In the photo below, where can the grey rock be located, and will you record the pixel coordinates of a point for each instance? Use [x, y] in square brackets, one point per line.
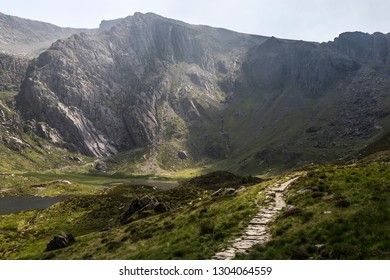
[12, 71]
[100, 165]
[142, 204]
[63, 182]
[182, 155]
[47, 132]
[217, 193]
[240, 189]
[230, 191]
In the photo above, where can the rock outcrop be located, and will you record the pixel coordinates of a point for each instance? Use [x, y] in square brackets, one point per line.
[59, 241]
[12, 71]
[140, 206]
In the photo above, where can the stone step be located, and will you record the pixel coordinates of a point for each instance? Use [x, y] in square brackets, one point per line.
[259, 222]
[256, 227]
[225, 254]
[263, 218]
[254, 232]
[258, 238]
[265, 215]
[244, 245]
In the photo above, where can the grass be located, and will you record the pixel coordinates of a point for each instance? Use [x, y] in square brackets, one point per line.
[53, 183]
[341, 212]
[196, 226]
[88, 179]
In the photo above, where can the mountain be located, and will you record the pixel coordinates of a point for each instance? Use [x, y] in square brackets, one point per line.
[109, 119]
[20, 144]
[184, 95]
[307, 102]
[129, 86]
[23, 36]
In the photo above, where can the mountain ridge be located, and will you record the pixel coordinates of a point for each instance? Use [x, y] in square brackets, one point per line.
[244, 102]
[19, 36]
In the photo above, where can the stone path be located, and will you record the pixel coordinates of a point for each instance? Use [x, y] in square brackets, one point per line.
[257, 232]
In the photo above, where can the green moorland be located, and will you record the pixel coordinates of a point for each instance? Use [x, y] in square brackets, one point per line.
[340, 212]
[194, 225]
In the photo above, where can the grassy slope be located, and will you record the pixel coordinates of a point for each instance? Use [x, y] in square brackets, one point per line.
[198, 226]
[342, 212]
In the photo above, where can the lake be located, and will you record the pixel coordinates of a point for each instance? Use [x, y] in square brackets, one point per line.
[13, 204]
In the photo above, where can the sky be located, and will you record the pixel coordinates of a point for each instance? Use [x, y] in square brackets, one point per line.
[309, 20]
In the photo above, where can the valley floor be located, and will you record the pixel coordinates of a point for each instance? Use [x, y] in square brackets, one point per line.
[331, 212]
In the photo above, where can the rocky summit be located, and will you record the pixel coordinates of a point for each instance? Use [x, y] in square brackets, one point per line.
[213, 95]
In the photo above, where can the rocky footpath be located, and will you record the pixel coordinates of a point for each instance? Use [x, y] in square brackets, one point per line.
[258, 230]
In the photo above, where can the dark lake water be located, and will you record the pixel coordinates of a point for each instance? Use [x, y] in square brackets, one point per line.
[15, 204]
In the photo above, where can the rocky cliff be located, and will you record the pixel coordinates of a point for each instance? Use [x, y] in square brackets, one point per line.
[311, 102]
[12, 70]
[210, 94]
[114, 91]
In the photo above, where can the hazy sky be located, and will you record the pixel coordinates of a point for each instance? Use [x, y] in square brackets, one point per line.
[310, 20]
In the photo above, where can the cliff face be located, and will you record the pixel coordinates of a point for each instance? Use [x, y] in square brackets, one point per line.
[256, 102]
[312, 102]
[12, 70]
[112, 91]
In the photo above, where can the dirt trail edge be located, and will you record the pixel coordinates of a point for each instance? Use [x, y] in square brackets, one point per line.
[257, 232]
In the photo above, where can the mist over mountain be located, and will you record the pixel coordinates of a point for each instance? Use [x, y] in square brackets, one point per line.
[210, 94]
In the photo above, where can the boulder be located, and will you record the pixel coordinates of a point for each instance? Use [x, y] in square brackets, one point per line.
[144, 204]
[230, 191]
[59, 241]
[63, 182]
[161, 208]
[100, 165]
[182, 155]
[240, 189]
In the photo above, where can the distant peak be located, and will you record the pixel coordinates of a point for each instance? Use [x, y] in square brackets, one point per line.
[108, 24]
[272, 42]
